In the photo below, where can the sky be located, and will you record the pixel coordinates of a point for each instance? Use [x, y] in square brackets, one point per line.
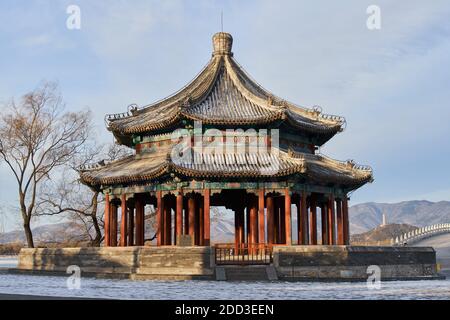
[391, 84]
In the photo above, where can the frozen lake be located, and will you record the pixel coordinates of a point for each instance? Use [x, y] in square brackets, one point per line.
[166, 290]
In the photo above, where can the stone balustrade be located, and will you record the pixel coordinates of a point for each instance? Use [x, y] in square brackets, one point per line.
[420, 233]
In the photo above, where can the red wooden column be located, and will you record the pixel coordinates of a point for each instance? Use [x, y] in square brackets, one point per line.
[237, 235]
[142, 226]
[192, 210]
[324, 218]
[240, 225]
[106, 218]
[313, 218]
[281, 221]
[253, 220]
[346, 220]
[159, 219]
[167, 225]
[247, 221]
[179, 216]
[270, 219]
[331, 221]
[299, 218]
[139, 204]
[113, 234]
[304, 219]
[276, 220]
[261, 233]
[186, 215]
[123, 222]
[172, 203]
[174, 207]
[287, 219]
[199, 227]
[207, 218]
[131, 225]
[173, 218]
[340, 222]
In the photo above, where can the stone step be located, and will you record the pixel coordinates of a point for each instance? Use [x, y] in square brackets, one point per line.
[246, 273]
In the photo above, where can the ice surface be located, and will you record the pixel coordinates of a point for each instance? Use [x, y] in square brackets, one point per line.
[167, 290]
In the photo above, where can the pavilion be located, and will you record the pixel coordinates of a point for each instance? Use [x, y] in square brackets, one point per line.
[181, 183]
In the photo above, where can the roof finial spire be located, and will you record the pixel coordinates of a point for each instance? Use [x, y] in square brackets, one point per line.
[222, 43]
[221, 20]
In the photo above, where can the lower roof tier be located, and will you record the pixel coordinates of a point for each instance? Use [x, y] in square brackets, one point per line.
[143, 169]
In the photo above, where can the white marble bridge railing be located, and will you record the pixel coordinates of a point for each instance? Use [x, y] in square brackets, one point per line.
[420, 233]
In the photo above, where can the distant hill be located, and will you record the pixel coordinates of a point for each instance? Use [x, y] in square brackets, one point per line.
[366, 216]
[57, 232]
[382, 233]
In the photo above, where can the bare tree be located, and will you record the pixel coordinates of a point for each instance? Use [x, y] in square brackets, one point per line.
[37, 137]
[82, 204]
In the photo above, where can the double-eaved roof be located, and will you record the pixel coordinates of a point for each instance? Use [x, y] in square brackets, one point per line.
[224, 95]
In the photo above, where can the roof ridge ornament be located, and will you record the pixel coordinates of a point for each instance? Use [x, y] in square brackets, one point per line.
[133, 107]
[351, 163]
[317, 109]
[290, 151]
[187, 102]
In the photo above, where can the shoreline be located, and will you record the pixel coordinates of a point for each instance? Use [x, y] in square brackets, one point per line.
[14, 296]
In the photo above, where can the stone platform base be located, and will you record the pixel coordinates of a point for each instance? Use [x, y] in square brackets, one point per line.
[290, 263]
[153, 263]
[351, 263]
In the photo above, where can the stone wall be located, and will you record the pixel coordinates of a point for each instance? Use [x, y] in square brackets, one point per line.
[351, 262]
[128, 262]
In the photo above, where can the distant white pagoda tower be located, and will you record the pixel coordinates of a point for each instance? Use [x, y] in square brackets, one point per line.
[384, 222]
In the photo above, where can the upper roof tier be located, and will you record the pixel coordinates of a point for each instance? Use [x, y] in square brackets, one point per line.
[223, 94]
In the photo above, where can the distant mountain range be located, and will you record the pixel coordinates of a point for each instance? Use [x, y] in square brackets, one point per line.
[366, 216]
[363, 217]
